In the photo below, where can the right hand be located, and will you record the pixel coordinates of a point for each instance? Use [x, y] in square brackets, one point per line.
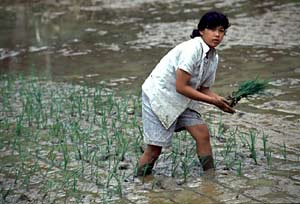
[223, 104]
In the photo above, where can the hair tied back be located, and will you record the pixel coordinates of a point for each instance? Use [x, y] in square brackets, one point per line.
[195, 33]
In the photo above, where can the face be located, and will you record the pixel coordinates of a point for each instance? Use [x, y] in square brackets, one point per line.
[213, 37]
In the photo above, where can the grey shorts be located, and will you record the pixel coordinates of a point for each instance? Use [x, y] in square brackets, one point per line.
[155, 133]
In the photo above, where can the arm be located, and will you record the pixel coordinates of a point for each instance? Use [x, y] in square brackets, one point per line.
[204, 95]
[208, 92]
[182, 87]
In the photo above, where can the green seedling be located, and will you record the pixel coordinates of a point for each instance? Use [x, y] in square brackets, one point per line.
[269, 158]
[239, 168]
[19, 125]
[185, 165]
[265, 140]
[247, 88]
[284, 151]
[253, 146]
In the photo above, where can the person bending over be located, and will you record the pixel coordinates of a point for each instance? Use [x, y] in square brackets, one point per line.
[173, 90]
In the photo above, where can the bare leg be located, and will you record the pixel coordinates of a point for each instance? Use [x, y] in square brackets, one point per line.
[204, 151]
[148, 159]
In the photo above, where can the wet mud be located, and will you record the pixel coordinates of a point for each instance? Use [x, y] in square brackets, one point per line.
[67, 152]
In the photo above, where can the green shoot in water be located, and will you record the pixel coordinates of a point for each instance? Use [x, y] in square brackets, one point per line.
[265, 140]
[284, 151]
[247, 88]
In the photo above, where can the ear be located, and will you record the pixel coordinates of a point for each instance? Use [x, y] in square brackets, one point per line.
[201, 32]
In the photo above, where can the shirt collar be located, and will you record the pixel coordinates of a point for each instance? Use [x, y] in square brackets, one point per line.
[205, 47]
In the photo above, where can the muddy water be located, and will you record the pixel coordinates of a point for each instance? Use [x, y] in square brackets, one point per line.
[117, 43]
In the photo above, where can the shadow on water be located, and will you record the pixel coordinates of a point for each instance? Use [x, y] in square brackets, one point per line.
[117, 43]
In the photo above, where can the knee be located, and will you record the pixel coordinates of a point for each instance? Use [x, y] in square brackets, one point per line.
[203, 140]
[201, 134]
[206, 137]
[153, 152]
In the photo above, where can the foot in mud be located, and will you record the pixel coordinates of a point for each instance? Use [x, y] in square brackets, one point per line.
[207, 162]
[144, 170]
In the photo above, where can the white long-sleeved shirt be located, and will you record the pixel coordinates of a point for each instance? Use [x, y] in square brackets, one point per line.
[193, 56]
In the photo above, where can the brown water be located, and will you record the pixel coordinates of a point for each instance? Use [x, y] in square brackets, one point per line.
[117, 43]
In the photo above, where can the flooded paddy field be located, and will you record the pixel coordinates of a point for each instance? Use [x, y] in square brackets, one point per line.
[64, 143]
[70, 118]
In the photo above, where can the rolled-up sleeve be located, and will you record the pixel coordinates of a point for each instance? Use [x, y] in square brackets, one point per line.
[187, 58]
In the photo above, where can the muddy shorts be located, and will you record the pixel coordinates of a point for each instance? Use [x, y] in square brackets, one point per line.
[155, 133]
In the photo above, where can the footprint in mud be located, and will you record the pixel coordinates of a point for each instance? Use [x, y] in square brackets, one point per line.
[161, 182]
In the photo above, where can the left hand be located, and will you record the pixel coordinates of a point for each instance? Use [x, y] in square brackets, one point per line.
[223, 104]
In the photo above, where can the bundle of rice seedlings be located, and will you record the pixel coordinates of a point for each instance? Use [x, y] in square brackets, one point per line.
[247, 88]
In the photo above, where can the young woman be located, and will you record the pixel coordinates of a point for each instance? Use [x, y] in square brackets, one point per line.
[171, 92]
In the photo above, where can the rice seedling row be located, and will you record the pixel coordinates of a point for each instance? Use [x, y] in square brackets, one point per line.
[71, 142]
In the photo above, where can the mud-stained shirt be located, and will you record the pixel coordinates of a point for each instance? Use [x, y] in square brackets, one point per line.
[193, 56]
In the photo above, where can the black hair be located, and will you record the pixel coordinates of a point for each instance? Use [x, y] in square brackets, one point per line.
[211, 20]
